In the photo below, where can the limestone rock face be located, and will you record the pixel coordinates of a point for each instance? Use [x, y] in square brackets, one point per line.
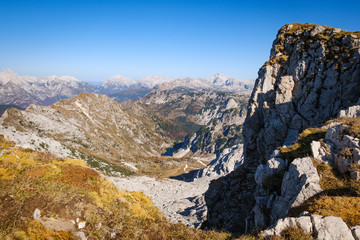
[300, 183]
[313, 73]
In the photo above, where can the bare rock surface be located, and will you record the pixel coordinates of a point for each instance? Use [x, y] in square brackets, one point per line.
[180, 201]
[300, 183]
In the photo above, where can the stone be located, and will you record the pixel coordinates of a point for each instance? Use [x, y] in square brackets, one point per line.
[299, 183]
[304, 213]
[292, 136]
[354, 174]
[349, 141]
[37, 215]
[316, 149]
[342, 164]
[80, 235]
[320, 152]
[356, 157]
[316, 30]
[322, 228]
[81, 225]
[356, 232]
[272, 167]
[284, 93]
[330, 228]
[336, 30]
[276, 229]
[296, 122]
[333, 135]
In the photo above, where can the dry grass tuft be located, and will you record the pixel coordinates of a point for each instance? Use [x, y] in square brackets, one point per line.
[302, 147]
[80, 177]
[353, 125]
[5, 144]
[348, 208]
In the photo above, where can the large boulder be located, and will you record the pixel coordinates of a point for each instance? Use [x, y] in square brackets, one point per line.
[322, 228]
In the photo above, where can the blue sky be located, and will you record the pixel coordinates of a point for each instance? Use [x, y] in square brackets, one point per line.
[93, 40]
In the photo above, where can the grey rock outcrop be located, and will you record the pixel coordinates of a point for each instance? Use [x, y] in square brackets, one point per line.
[353, 111]
[313, 73]
[322, 228]
[227, 161]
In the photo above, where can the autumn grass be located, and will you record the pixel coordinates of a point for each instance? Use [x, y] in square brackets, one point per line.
[35, 230]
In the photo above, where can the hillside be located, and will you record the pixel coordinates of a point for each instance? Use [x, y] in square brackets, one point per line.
[95, 128]
[312, 76]
[46, 197]
[192, 108]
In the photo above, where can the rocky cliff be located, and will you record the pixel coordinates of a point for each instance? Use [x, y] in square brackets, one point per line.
[313, 73]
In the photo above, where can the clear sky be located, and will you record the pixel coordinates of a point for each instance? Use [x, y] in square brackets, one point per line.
[93, 40]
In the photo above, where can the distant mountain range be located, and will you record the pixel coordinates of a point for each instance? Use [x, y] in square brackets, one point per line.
[24, 90]
[21, 91]
[118, 83]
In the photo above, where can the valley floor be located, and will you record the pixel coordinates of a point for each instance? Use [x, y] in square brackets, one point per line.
[179, 201]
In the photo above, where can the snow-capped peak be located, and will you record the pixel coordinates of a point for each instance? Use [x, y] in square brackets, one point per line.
[7, 76]
[120, 82]
[221, 80]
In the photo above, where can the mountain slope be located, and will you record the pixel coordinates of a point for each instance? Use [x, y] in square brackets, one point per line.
[96, 126]
[312, 74]
[192, 108]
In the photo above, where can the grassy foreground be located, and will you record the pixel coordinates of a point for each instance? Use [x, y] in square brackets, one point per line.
[67, 192]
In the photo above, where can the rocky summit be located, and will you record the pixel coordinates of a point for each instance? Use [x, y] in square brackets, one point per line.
[312, 75]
